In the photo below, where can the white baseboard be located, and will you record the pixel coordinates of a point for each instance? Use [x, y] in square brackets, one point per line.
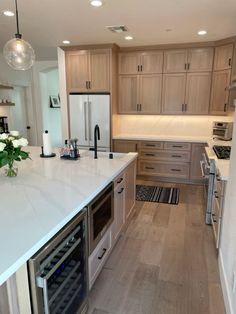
[224, 285]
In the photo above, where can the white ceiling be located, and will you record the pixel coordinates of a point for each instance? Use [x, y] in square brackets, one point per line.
[45, 23]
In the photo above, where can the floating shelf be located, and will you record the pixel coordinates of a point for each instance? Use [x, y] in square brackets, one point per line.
[7, 104]
[5, 87]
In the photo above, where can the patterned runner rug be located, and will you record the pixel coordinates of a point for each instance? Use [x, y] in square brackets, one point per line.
[157, 194]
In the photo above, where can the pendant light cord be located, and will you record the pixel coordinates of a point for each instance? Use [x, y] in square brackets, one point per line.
[18, 35]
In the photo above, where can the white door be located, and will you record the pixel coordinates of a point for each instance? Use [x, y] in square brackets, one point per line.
[99, 113]
[79, 124]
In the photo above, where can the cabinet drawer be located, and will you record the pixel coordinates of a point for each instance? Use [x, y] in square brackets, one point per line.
[164, 169]
[177, 146]
[163, 155]
[119, 180]
[98, 257]
[152, 145]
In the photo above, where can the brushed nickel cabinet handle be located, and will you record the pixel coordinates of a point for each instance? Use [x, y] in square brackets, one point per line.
[103, 253]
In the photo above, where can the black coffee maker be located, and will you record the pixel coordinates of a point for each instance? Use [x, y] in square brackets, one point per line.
[3, 125]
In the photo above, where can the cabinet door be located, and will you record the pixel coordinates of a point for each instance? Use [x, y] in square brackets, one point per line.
[99, 70]
[77, 71]
[223, 57]
[173, 92]
[196, 155]
[198, 90]
[129, 62]
[119, 214]
[151, 62]
[175, 61]
[219, 93]
[150, 93]
[125, 146]
[130, 188]
[128, 94]
[200, 59]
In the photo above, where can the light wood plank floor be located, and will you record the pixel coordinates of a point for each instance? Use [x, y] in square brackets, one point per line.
[164, 263]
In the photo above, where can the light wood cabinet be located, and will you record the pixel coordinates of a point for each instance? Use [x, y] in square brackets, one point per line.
[146, 62]
[150, 93]
[173, 93]
[223, 57]
[130, 188]
[119, 210]
[128, 94]
[123, 146]
[175, 61]
[198, 89]
[200, 59]
[100, 70]
[196, 155]
[88, 71]
[77, 71]
[219, 94]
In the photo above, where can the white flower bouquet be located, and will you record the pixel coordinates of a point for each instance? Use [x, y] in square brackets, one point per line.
[10, 151]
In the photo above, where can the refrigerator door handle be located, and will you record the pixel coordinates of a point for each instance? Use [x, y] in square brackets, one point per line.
[85, 121]
[89, 120]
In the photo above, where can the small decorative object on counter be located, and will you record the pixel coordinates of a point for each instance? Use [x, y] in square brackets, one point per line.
[10, 151]
[47, 147]
[70, 150]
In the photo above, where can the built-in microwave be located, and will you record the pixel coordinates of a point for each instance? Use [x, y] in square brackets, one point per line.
[101, 215]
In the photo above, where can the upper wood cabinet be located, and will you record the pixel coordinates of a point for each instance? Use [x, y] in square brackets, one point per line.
[77, 70]
[88, 70]
[128, 93]
[150, 93]
[200, 59]
[223, 57]
[197, 96]
[219, 93]
[175, 61]
[173, 93]
[148, 62]
[191, 60]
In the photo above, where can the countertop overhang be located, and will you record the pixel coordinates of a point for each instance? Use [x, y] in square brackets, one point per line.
[44, 197]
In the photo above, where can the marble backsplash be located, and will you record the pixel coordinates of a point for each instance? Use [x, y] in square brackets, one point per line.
[167, 125]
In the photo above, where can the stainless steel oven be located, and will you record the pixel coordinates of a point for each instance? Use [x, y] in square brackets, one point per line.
[58, 272]
[101, 215]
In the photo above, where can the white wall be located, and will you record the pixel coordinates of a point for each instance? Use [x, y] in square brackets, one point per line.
[49, 84]
[227, 256]
[167, 125]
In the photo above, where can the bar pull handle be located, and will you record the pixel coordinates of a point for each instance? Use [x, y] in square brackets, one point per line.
[229, 63]
[140, 107]
[85, 121]
[185, 66]
[188, 66]
[141, 68]
[137, 107]
[216, 194]
[89, 84]
[185, 107]
[225, 107]
[176, 156]
[103, 253]
[177, 146]
[149, 154]
[150, 145]
[175, 170]
[121, 191]
[119, 181]
[149, 168]
[182, 107]
[138, 68]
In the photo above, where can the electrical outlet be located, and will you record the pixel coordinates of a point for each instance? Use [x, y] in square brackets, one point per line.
[234, 282]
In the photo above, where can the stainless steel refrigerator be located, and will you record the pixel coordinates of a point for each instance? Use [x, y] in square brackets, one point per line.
[85, 111]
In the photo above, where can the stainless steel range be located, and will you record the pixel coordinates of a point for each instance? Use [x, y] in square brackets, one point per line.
[222, 152]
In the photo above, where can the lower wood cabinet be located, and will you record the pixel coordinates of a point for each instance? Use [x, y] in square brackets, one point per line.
[119, 208]
[123, 146]
[130, 189]
[178, 161]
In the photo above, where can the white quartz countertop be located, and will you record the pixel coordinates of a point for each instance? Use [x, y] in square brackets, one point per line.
[46, 194]
[193, 139]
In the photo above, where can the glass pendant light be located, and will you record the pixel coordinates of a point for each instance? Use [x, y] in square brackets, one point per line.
[18, 53]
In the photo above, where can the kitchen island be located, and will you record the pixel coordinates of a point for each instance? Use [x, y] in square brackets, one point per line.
[45, 196]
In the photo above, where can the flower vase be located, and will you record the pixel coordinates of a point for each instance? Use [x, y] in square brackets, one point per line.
[11, 170]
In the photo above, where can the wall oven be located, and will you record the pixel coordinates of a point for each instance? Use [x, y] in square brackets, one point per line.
[101, 215]
[208, 169]
[58, 272]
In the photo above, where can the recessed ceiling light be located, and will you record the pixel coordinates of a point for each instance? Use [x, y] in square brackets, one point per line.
[202, 32]
[8, 13]
[129, 37]
[66, 42]
[96, 3]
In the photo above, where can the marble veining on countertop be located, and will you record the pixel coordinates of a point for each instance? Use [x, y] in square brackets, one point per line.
[46, 194]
